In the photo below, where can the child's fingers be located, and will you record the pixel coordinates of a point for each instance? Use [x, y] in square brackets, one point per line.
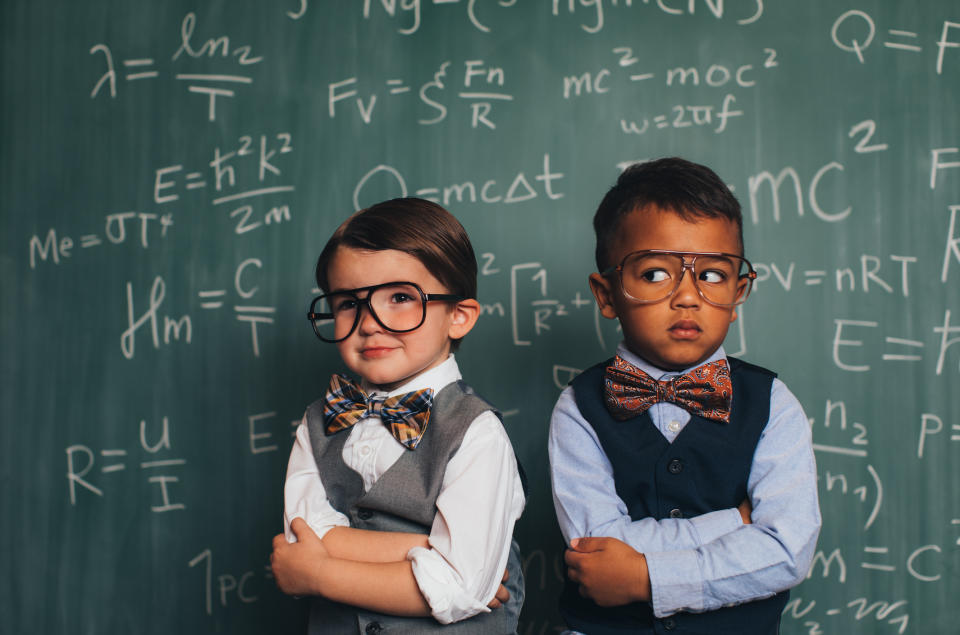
[745, 509]
[586, 545]
[501, 597]
[573, 560]
[300, 528]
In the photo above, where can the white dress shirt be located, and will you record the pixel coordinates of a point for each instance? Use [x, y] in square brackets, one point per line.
[480, 500]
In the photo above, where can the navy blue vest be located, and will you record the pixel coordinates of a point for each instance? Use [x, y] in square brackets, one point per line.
[705, 469]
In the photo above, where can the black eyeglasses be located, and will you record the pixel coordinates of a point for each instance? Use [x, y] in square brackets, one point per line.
[399, 307]
[653, 275]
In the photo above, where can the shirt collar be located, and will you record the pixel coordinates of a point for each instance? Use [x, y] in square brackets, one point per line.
[435, 378]
[659, 373]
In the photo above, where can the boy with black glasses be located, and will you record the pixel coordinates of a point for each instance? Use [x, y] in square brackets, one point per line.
[402, 491]
[684, 480]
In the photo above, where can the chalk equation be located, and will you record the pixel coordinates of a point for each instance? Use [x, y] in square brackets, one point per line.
[837, 434]
[851, 487]
[890, 274]
[855, 31]
[766, 185]
[118, 229]
[248, 133]
[531, 299]
[229, 587]
[261, 436]
[81, 460]
[924, 563]
[835, 418]
[411, 11]
[931, 427]
[174, 328]
[893, 614]
[221, 84]
[257, 158]
[165, 330]
[901, 349]
[244, 172]
[477, 85]
[742, 13]
[390, 182]
[252, 314]
[682, 115]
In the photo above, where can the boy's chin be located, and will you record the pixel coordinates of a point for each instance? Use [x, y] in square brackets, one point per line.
[674, 362]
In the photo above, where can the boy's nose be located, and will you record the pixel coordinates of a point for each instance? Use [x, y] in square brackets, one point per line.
[368, 324]
[686, 294]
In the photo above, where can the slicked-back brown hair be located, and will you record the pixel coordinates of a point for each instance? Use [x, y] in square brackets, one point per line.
[416, 227]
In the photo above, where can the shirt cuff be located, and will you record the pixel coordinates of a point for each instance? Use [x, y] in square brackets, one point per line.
[712, 525]
[676, 583]
[441, 587]
[319, 522]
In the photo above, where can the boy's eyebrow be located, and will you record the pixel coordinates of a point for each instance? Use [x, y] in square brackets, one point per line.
[365, 288]
[341, 290]
[351, 291]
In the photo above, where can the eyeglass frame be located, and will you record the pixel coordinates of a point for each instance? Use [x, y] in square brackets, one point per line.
[750, 275]
[424, 298]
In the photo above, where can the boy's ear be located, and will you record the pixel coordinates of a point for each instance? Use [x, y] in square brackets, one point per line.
[464, 315]
[603, 292]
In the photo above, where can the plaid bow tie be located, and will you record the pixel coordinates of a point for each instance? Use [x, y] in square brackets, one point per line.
[705, 391]
[405, 415]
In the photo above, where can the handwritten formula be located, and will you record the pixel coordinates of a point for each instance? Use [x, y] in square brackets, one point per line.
[171, 171]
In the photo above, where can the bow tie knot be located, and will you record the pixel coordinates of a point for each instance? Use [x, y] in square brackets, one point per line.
[666, 391]
[374, 407]
[705, 391]
[405, 416]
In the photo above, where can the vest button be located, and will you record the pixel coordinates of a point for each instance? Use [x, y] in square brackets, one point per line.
[366, 514]
[669, 624]
[373, 628]
[675, 466]
[676, 513]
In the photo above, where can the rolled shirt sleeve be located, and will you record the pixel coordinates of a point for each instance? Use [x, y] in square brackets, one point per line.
[303, 492]
[479, 503]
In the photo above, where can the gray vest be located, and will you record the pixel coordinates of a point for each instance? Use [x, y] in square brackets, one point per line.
[404, 499]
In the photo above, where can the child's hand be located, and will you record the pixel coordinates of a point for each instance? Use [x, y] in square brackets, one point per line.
[609, 572]
[745, 509]
[294, 564]
[502, 596]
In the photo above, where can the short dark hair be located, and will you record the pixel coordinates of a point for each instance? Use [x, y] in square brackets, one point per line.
[687, 189]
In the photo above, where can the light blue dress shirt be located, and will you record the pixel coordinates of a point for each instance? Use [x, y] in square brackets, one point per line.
[713, 560]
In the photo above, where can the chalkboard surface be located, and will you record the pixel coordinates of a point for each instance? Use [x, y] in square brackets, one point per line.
[170, 170]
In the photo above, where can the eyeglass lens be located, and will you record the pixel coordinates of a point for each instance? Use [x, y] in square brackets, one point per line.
[654, 277]
[398, 307]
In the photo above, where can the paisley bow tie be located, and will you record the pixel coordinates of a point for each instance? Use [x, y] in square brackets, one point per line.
[705, 391]
[406, 415]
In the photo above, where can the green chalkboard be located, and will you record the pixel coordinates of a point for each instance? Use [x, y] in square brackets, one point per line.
[170, 170]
